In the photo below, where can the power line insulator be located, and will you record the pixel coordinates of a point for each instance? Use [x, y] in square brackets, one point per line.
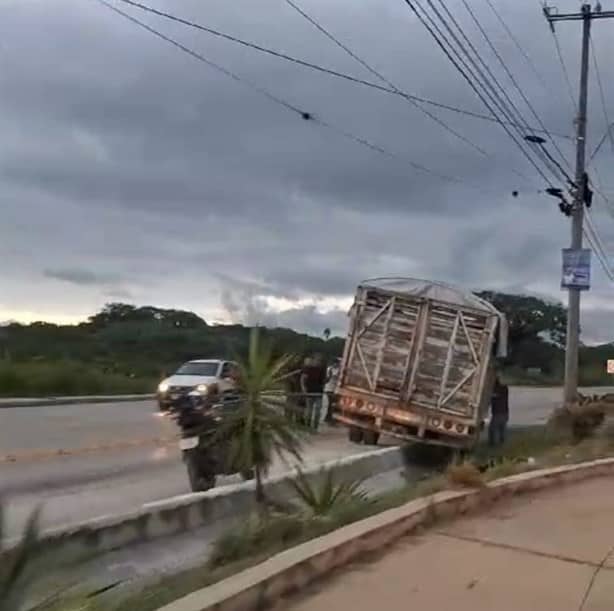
[587, 193]
[565, 208]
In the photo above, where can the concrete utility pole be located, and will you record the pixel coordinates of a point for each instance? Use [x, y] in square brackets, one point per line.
[573, 315]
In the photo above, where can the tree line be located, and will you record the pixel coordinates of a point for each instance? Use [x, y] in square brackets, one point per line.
[146, 343]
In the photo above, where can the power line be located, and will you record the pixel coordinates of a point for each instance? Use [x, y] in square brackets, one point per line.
[506, 104]
[317, 67]
[603, 139]
[602, 249]
[602, 96]
[603, 263]
[503, 102]
[380, 76]
[608, 130]
[574, 104]
[513, 38]
[211, 64]
[303, 114]
[591, 233]
[594, 239]
[598, 188]
[383, 151]
[437, 35]
[509, 72]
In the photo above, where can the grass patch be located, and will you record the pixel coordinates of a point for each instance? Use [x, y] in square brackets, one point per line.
[66, 378]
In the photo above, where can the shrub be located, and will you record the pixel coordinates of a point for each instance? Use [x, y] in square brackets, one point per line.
[265, 532]
[466, 475]
[326, 496]
[580, 421]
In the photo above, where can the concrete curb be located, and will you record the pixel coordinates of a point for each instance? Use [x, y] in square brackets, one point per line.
[184, 513]
[260, 586]
[44, 401]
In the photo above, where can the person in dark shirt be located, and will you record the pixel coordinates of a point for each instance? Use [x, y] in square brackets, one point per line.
[313, 378]
[499, 413]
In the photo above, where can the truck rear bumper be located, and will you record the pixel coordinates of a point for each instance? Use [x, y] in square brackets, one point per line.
[410, 435]
[434, 428]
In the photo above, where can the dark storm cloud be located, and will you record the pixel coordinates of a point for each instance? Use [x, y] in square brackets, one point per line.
[81, 277]
[120, 153]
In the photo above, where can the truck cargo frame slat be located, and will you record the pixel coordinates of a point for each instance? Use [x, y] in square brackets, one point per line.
[419, 354]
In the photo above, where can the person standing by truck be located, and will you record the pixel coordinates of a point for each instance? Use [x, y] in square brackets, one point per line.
[499, 413]
[332, 376]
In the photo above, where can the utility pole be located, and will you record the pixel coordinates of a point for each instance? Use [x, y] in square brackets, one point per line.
[577, 210]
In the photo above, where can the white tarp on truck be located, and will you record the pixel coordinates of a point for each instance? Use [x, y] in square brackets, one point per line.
[439, 291]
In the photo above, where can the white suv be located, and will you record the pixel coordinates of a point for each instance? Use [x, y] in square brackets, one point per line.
[211, 377]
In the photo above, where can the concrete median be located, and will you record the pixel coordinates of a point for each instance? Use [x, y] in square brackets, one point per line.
[290, 571]
[184, 513]
[87, 400]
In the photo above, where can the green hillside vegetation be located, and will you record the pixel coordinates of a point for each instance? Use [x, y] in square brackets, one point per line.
[128, 349]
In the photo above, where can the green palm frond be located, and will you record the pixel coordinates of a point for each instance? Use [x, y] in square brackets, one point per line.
[327, 496]
[257, 430]
[16, 569]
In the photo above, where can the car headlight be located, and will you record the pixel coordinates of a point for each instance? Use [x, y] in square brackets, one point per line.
[202, 388]
[163, 387]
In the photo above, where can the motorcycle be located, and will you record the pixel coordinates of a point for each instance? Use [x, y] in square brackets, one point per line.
[204, 453]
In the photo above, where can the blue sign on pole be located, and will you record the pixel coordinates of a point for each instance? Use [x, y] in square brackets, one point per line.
[576, 269]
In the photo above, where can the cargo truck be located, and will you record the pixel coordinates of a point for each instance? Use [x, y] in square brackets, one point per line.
[418, 363]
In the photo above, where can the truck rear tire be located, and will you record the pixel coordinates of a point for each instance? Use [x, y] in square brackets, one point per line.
[355, 435]
[199, 481]
[370, 438]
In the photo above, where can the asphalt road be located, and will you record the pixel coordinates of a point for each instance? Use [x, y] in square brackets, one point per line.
[72, 489]
[70, 427]
[75, 427]
[83, 485]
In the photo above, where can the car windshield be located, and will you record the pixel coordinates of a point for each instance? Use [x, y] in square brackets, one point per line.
[198, 369]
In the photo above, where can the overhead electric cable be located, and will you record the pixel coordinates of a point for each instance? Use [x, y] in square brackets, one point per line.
[511, 75]
[316, 67]
[274, 98]
[461, 66]
[381, 77]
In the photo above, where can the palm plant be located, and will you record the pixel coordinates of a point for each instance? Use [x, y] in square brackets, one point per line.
[258, 430]
[16, 567]
[327, 496]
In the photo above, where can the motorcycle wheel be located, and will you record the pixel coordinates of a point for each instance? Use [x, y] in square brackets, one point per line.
[199, 482]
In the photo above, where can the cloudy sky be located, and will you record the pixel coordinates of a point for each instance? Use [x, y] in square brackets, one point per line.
[130, 171]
